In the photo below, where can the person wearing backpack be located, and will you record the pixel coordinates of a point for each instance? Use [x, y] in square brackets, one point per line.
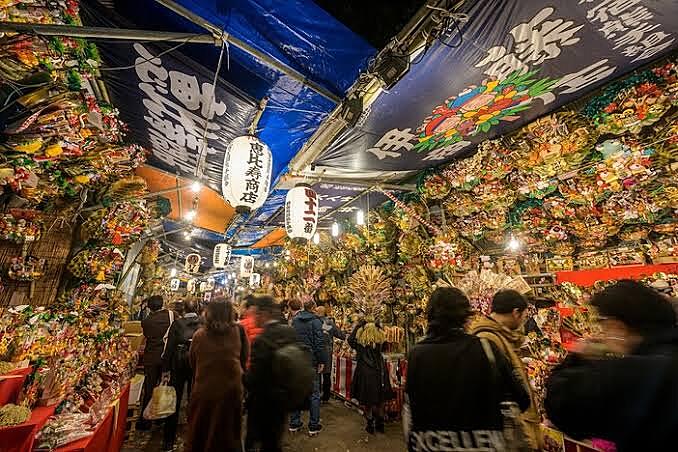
[175, 364]
[278, 378]
[309, 330]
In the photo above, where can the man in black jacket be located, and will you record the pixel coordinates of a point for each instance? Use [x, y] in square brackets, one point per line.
[309, 330]
[623, 387]
[455, 387]
[175, 364]
[265, 417]
[155, 327]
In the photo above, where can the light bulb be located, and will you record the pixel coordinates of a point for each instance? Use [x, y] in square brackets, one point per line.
[196, 187]
[360, 217]
[268, 265]
[335, 229]
[173, 272]
[233, 275]
[190, 215]
[316, 238]
[513, 244]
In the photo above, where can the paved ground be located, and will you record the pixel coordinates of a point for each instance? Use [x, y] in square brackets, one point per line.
[343, 432]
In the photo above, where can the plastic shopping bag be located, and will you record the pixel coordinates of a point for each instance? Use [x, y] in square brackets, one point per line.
[162, 404]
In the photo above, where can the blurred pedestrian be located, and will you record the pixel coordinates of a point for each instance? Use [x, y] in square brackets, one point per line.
[310, 333]
[266, 414]
[176, 365]
[156, 328]
[217, 356]
[371, 385]
[330, 332]
[504, 327]
[249, 320]
[622, 386]
[456, 383]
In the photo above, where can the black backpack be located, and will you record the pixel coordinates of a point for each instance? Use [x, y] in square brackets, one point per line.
[293, 374]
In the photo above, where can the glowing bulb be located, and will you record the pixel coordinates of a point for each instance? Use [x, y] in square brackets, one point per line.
[196, 187]
[360, 217]
[173, 272]
[335, 229]
[316, 238]
[268, 265]
[190, 215]
[513, 244]
[233, 275]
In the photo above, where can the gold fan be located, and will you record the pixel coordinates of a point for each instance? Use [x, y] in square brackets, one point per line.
[371, 288]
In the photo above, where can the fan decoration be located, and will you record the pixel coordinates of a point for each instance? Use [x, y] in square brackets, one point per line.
[371, 288]
[97, 264]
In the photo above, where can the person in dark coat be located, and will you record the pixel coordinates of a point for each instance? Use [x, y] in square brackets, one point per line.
[217, 356]
[265, 417]
[330, 331]
[175, 363]
[309, 330]
[155, 327]
[454, 386]
[624, 386]
[371, 385]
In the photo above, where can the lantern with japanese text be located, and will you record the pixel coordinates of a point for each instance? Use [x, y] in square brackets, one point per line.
[221, 255]
[247, 173]
[301, 212]
[255, 280]
[190, 285]
[192, 264]
[246, 266]
[210, 283]
[174, 284]
[203, 286]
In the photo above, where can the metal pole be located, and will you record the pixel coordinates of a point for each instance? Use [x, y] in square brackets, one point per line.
[268, 60]
[124, 34]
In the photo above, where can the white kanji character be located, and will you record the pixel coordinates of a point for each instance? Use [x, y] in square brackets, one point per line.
[589, 75]
[392, 140]
[502, 63]
[186, 89]
[635, 17]
[610, 28]
[634, 35]
[544, 43]
[611, 7]
[652, 46]
[347, 209]
[633, 50]
[217, 107]
[447, 151]
[170, 130]
[148, 64]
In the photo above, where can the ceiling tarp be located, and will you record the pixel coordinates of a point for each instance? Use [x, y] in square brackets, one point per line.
[512, 61]
[297, 33]
[213, 213]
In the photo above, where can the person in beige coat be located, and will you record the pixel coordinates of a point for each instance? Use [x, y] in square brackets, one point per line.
[504, 327]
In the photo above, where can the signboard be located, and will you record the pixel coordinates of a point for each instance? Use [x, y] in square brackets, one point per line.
[511, 62]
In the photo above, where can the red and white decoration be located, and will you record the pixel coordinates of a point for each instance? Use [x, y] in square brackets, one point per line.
[301, 212]
[246, 177]
[246, 266]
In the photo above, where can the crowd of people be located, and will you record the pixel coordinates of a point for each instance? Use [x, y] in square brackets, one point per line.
[467, 387]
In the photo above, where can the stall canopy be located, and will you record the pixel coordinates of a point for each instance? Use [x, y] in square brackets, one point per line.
[500, 65]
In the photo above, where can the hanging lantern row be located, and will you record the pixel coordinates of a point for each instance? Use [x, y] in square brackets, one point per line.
[301, 212]
[221, 255]
[246, 175]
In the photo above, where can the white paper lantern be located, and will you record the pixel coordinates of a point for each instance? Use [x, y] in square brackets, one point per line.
[301, 212]
[247, 173]
[208, 297]
[255, 280]
[203, 286]
[221, 255]
[246, 266]
[190, 285]
[174, 284]
[210, 283]
[192, 264]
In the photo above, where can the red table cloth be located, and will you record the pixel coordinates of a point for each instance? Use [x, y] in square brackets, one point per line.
[588, 278]
[11, 384]
[19, 438]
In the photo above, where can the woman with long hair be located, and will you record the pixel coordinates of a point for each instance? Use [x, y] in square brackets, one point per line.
[217, 356]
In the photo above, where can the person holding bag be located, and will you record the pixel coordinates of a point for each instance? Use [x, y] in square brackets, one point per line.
[218, 355]
[455, 391]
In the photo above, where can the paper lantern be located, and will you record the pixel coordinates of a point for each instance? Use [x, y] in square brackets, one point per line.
[190, 285]
[203, 286]
[174, 284]
[208, 297]
[192, 264]
[221, 255]
[246, 176]
[246, 266]
[301, 212]
[210, 283]
[255, 280]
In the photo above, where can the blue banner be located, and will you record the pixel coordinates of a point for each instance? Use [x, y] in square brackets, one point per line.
[509, 63]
